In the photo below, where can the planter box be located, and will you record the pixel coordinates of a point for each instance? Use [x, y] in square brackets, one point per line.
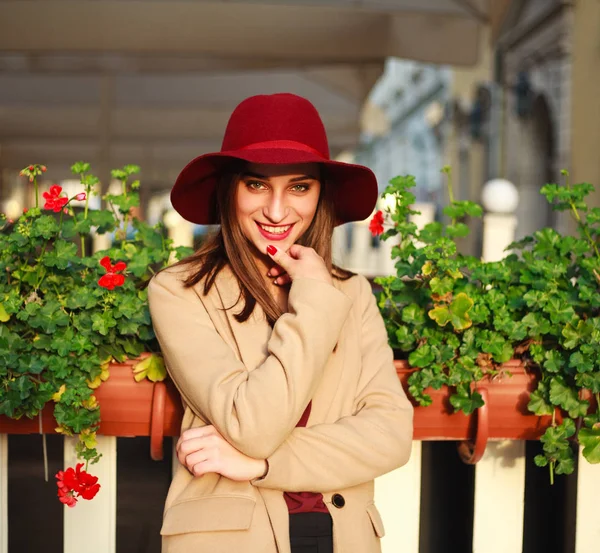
[130, 408]
[504, 415]
[127, 408]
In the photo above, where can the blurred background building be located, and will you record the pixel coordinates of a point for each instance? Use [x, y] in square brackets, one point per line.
[494, 88]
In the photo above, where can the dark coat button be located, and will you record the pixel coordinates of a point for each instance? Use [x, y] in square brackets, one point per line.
[338, 500]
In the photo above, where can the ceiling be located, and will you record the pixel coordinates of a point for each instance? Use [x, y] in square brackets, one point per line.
[153, 81]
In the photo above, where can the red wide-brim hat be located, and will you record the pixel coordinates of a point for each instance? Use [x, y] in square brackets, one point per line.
[277, 129]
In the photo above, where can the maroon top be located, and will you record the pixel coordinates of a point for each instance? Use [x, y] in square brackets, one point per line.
[305, 502]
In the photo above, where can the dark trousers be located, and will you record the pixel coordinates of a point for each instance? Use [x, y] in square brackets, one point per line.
[311, 533]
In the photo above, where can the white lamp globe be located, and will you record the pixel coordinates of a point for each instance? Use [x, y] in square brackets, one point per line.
[500, 196]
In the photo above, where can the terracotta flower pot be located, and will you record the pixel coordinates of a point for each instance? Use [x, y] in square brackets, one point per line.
[504, 415]
[127, 408]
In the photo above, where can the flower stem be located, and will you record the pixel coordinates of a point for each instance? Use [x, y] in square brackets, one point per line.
[448, 172]
[35, 187]
[580, 223]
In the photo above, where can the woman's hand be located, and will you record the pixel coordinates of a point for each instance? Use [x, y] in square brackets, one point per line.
[299, 262]
[204, 450]
[279, 276]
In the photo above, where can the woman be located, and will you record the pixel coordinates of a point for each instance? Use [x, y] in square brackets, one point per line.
[292, 404]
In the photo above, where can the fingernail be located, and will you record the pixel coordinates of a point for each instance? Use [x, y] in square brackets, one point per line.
[271, 250]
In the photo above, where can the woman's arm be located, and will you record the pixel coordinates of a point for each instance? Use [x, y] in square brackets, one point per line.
[255, 411]
[358, 448]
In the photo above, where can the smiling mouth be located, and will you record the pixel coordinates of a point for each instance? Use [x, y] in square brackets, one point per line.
[275, 230]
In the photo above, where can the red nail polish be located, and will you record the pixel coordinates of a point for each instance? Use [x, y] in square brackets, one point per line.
[272, 250]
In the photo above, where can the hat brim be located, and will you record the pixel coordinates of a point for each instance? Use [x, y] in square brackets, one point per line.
[355, 188]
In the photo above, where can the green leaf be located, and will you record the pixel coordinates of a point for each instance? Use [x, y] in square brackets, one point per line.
[152, 368]
[183, 251]
[413, 315]
[104, 221]
[4, 316]
[560, 310]
[466, 401]
[589, 438]
[61, 343]
[581, 363]
[495, 344]
[61, 255]
[151, 237]
[441, 286]
[44, 226]
[80, 167]
[102, 323]
[421, 357]
[124, 202]
[538, 404]
[430, 233]
[83, 226]
[574, 335]
[566, 465]
[566, 397]
[459, 230]
[589, 381]
[554, 361]
[140, 263]
[404, 338]
[540, 460]
[456, 313]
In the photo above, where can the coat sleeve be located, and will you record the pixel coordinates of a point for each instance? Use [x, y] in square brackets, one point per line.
[255, 411]
[355, 449]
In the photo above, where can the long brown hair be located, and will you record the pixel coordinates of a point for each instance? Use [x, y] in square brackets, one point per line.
[229, 246]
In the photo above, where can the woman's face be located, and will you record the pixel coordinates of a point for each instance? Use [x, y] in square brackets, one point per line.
[275, 204]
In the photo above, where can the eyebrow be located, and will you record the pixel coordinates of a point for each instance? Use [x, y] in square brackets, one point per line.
[264, 177]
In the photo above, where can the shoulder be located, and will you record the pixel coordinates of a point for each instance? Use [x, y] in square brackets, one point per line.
[172, 278]
[357, 288]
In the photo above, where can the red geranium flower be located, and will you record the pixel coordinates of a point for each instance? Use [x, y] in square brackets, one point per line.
[112, 277]
[75, 483]
[54, 201]
[376, 224]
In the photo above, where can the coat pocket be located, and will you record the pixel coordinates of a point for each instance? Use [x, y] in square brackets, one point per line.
[376, 520]
[208, 514]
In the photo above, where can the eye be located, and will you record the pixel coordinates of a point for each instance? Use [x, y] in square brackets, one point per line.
[300, 187]
[255, 185]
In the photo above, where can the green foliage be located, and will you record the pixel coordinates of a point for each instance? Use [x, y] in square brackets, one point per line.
[457, 319]
[59, 327]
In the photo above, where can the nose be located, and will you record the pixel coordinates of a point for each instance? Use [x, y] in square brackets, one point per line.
[276, 209]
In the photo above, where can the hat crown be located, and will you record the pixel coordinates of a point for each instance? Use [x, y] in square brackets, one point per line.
[272, 117]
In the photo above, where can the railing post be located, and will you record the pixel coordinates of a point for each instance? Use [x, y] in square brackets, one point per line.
[3, 493]
[100, 512]
[499, 488]
[587, 529]
[401, 519]
[500, 475]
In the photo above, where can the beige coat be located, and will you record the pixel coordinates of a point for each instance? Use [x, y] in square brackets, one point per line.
[253, 382]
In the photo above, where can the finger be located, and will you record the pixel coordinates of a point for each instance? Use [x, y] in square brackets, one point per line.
[276, 271]
[280, 257]
[197, 457]
[197, 432]
[197, 444]
[204, 467]
[297, 251]
[283, 280]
